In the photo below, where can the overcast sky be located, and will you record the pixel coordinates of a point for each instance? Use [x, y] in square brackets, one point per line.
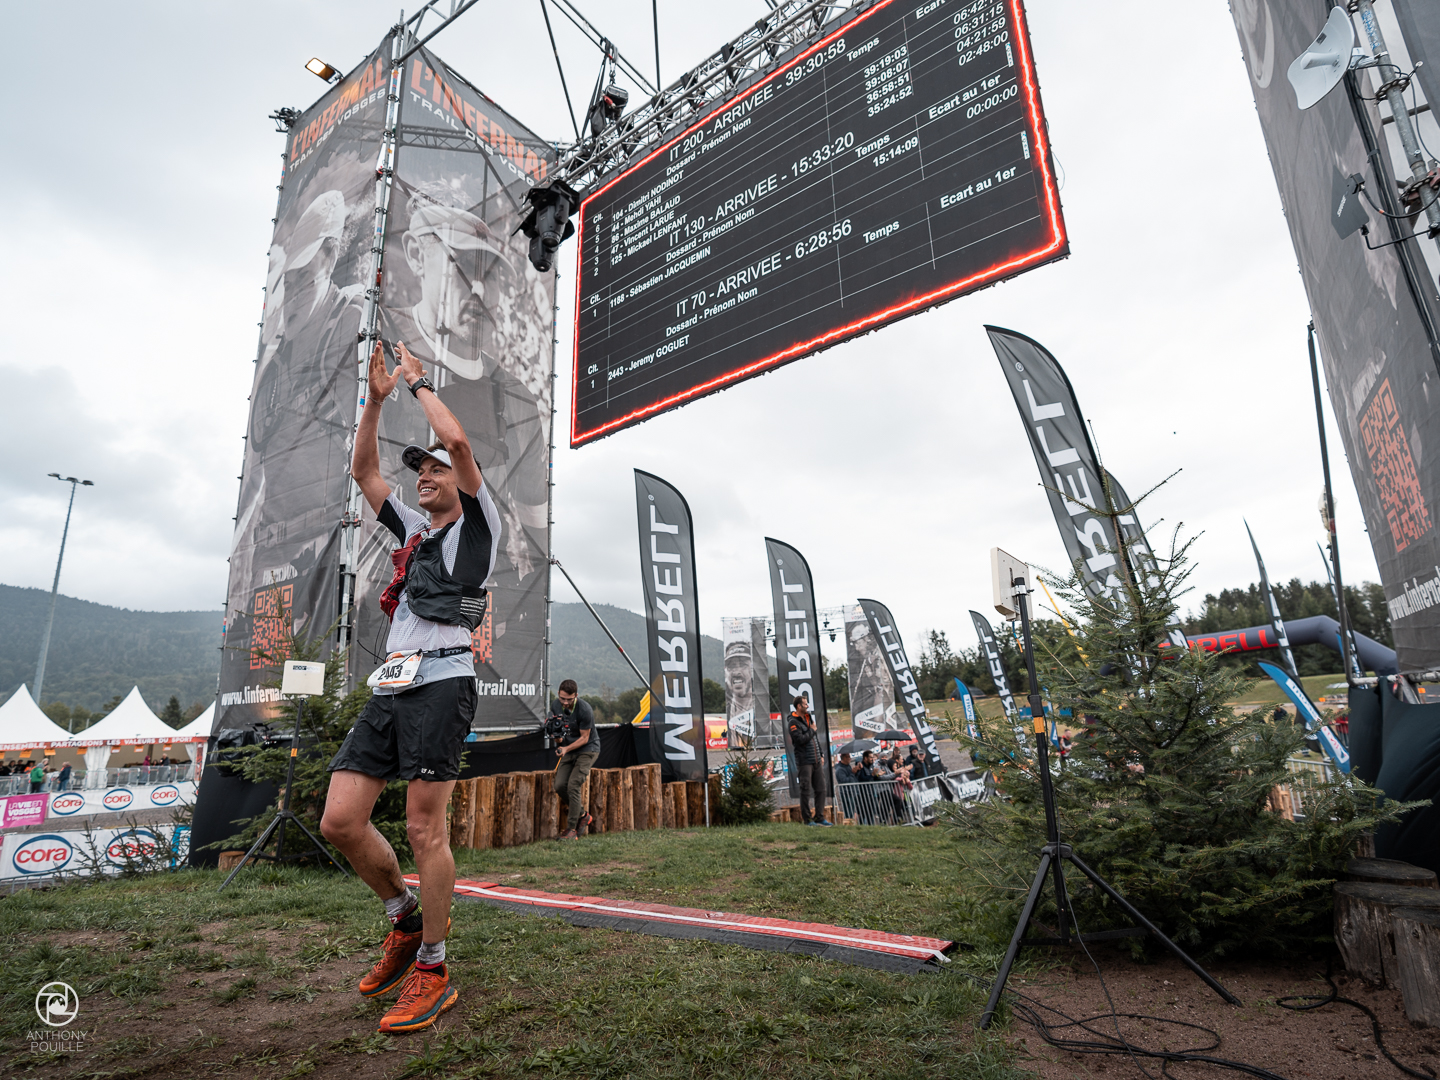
[137, 218]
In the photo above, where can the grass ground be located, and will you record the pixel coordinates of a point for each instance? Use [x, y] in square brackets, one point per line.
[177, 980]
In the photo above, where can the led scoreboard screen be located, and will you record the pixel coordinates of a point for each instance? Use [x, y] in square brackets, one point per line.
[895, 163]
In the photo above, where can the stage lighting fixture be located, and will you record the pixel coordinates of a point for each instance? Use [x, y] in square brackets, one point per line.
[607, 108]
[549, 224]
[322, 69]
[1319, 69]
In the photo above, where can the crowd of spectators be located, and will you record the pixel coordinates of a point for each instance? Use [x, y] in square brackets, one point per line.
[887, 780]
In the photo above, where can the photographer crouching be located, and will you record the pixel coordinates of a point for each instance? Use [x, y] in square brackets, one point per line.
[572, 726]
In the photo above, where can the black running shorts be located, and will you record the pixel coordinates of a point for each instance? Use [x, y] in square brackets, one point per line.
[415, 735]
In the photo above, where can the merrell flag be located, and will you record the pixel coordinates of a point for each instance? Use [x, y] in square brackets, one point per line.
[972, 728]
[991, 648]
[907, 692]
[747, 686]
[1275, 620]
[1310, 716]
[797, 647]
[1069, 470]
[672, 628]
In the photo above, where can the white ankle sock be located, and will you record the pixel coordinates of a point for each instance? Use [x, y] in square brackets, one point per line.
[397, 906]
[431, 954]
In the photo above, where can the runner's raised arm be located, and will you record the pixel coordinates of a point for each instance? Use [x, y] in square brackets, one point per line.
[365, 462]
[447, 429]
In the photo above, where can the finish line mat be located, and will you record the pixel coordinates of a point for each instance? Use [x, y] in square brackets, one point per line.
[867, 948]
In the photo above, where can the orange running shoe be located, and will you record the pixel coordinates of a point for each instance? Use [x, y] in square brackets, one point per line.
[396, 961]
[425, 996]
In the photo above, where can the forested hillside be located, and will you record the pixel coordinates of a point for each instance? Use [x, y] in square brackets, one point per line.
[97, 652]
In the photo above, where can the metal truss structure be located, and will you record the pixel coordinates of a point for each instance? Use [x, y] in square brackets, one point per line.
[738, 63]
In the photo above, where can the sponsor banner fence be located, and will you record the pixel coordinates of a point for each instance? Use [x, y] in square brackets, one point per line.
[87, 853]
[114, 800]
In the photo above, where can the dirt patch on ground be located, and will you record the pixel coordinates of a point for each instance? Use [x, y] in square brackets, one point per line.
[1332, 1041]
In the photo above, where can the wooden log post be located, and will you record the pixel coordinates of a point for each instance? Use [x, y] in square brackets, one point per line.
[584, 801]
[1390, 872]
[694, 802]
[1417, 962]
[598, 787]
[616, 799]
[677, 796]
[462, 814]
[522, 807]
[640, 797]
[1362, 925]
[667, 807]
[627, 799]
[504, 828]
[716, 790]
[548, 804]
[655, 805]
[484, 834]
[1365, 846]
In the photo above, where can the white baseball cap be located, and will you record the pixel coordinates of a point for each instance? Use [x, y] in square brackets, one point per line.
[414, 456]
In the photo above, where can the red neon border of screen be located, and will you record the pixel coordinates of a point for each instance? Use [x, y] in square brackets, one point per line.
[794, 352]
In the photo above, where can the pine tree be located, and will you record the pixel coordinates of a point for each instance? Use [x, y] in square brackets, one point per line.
[745, 800]
[171, 714]
[1166, 793]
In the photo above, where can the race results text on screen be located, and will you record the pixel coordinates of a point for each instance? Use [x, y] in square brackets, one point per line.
[899, 161]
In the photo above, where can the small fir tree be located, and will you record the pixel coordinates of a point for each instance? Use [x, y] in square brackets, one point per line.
[1166, 793]
[745, 799]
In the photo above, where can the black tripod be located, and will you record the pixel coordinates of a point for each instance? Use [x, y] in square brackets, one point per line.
[1054, 855]
[285, 814]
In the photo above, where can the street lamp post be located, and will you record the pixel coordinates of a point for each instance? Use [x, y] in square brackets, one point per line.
[55, 588]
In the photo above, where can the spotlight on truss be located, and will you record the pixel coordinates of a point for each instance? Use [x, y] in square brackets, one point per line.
[549, 224]
[325, 71]
[607, 108]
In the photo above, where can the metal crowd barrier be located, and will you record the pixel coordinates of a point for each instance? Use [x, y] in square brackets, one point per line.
[881, 802]
[137, 775]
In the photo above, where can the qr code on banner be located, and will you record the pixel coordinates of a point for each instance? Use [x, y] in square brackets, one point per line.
[270, 627]
[482, 640]
[1393, 469]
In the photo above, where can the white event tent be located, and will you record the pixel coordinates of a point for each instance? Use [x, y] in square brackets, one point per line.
[131, 723]
[198, 732]
[23, 726]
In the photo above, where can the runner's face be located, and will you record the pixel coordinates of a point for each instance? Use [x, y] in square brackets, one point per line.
[436, 487]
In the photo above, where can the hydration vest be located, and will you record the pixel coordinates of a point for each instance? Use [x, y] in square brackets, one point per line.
[434, 593]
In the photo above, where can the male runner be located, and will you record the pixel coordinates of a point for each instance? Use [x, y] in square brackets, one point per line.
[415, 725]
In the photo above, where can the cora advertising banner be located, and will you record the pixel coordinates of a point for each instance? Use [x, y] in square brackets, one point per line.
[117, 800]
[84, 853]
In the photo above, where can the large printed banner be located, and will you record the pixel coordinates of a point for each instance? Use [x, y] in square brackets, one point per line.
[81, 853]
[872, 694]
[672, 628]
[907, 692]
[748, 708]
[797, 647]
[460, 293]
[1379, 364]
